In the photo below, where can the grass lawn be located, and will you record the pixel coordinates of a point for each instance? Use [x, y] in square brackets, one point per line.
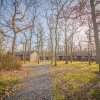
[75, 81]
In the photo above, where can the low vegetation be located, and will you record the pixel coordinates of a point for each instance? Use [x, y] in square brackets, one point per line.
[11, 80]
[10, 75]
[75, 81]
[9, 62]
[7, 84]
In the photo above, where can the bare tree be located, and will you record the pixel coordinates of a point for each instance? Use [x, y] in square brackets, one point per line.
[50, 25]
[15, 21]
[96, 35]
[58, 7]
[39, 34]
[33, 22]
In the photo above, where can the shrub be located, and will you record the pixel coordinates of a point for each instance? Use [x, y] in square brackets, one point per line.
[10, 62]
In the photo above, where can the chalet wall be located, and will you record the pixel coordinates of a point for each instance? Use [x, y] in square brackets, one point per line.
[34, 57]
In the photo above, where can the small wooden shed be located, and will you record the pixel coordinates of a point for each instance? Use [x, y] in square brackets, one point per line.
[33, 56]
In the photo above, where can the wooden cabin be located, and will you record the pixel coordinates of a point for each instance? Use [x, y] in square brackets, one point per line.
[33, 56]
[76, 56]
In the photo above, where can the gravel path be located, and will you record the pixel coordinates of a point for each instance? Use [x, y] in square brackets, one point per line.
[36, 87]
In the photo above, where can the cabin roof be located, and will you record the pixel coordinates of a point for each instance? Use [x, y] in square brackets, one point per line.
[61, 54]
[20, 53]
[75, 54]
[81, 54]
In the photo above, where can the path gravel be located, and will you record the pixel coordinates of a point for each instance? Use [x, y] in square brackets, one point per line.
[36, 87]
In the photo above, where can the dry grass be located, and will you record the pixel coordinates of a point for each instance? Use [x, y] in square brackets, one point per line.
[33, 63]
[9, 62]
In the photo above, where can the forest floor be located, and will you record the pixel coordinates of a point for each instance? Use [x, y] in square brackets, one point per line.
[29, 83]
[11, 80]
[75, 81]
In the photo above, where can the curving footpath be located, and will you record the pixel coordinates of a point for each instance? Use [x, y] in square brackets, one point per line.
[36, 87]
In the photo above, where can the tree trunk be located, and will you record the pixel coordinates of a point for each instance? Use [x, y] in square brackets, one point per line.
[51, 48]
[71, 55]
[96, 35]
[56, 41]
[25, 53]
[66, 51]
[13, 44]
[38, 49]
[30, 47]
[89, 57]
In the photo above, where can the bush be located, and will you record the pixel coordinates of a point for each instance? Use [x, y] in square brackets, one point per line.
[10, 62]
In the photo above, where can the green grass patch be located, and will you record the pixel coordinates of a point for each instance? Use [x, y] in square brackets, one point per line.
[7, 83]
[56, 93]
[76, 81]
[9, 78]
[96, 94]
[2, 87]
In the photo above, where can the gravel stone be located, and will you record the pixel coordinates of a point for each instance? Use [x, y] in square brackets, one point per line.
[36, 87]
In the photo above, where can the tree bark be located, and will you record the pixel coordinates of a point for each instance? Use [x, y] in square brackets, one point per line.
[13, 44]
[66, 51]
[96, 35]
[56, 41]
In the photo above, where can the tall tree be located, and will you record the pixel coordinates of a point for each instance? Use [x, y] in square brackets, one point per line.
[96, 35]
